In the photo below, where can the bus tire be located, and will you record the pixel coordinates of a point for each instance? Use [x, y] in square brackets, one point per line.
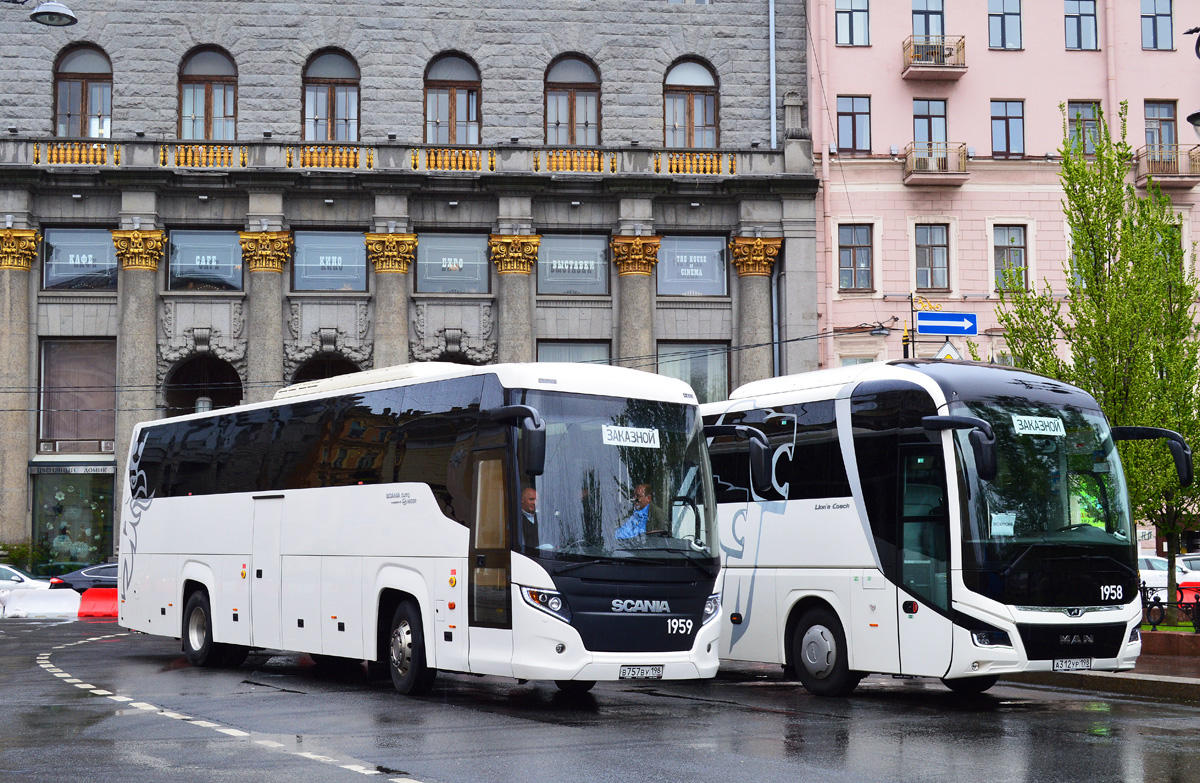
[406, 649]
[971, 686]
[233, 655]
[819, 655]
[198, 644]
[575, 687]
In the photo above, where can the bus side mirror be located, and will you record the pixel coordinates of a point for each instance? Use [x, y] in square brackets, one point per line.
[759, 451]
[532, 449]
[983, 439]
[1180, 451]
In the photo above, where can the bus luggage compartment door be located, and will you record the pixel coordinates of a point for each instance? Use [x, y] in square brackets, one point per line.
[264, 573]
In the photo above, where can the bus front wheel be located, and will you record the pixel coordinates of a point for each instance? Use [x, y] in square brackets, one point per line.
[197, 631]
[406, 648]
[819, 655]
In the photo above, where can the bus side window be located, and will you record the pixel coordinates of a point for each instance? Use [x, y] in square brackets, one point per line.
[489, 571]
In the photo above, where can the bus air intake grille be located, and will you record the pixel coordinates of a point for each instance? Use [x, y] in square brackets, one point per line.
[1047, 642]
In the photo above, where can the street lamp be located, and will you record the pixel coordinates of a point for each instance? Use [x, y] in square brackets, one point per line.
[51, 14]
[1194, 117]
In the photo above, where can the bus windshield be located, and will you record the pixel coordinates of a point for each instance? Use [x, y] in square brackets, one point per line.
[1058, 503]
[626, 480]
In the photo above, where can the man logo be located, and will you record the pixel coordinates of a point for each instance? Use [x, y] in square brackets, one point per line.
[1075, 639]
[640, 606]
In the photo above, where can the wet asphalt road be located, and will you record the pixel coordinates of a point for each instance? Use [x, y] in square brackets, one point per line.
[130, 708]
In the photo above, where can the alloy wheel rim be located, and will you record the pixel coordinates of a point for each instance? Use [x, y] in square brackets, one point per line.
[197, 629]
[402, 647]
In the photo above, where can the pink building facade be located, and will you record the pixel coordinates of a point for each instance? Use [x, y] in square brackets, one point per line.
[937, 127]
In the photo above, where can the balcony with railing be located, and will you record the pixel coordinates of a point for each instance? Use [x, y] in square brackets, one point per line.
[937, 163]
[934, 58]
[54, 154]
[1169, 165]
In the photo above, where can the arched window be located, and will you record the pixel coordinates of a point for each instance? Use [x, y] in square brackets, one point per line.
[452, 101]
[572, 103]
[208, 96]
[83, 93]
[331, 98]
[690, 105]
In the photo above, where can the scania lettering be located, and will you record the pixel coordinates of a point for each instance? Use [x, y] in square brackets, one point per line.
[434, 517]
[930, 519]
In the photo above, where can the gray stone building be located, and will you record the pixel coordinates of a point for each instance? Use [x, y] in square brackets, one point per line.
[205, 201]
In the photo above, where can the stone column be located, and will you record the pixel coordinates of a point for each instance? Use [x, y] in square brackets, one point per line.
[753, 258]
[139, 252]
[635, 258]
[514, 257]
[264, 254]
[18, 249]
[391, 254]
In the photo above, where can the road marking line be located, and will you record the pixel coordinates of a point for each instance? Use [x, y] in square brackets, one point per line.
[402, 780]
[102, 692]
[141, 705]
[234, 732]
[86, 686]
[174, 715]
[204, 724]
[72, 680]
[360, 769]
[269, 743]
[316, 757]
[61, 674]
[120, 698]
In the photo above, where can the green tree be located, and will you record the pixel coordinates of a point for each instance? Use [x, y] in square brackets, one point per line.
[1126, 331]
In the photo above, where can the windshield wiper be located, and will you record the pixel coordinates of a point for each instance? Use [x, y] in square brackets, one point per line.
[572, 566]
[1125, 566]
[1013, 563]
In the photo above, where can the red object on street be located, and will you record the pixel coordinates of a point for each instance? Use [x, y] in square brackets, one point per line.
[98, 602]
[1189, 591]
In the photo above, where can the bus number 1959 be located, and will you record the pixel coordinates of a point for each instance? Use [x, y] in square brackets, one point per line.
[679, 626]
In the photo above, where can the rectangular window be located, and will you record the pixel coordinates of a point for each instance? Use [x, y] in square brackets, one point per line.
[851, 361]
[78, 259]
[704, 366]
[223, 120]
[192, 112]
[691, 266]
[329, 261]
[1081, 24]
[78, 397]
[854, 123]
[573, 265]
[929, 122]
[1083, 124]
[72, 514]
[853, 22]
[592, 353]
[1009, 246]
[1160, 125]
[452, 264]
[204, 261]
[929, 18]
[1004, 24]
[854, 257]
[1156, 24]
[1008, 129]
[933, 257]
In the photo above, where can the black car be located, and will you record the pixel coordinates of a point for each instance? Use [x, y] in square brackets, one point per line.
[103, 575]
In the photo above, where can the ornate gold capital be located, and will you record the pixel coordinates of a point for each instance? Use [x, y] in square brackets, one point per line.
[139, 249]
[265, 251]
[635, 255]
[18, 248]
[754, 256]
[514, 255]
[391, 252]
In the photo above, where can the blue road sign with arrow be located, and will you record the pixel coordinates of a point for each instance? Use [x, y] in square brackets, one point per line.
[946, 323]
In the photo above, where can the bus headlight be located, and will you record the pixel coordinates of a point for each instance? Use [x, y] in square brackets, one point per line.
[712, 607]
[992, 638]
[549, 601]
[1135, 635]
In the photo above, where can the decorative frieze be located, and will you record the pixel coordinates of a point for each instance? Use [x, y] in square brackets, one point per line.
[327, 328]
[453, 331]
[515, 254]
[755, 256]
[266, 251]
[18, 248]
[139, 249]
[391, 252]
[635, 255]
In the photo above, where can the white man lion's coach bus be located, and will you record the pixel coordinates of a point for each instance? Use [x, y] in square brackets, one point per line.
[540, 521]
[935, 519]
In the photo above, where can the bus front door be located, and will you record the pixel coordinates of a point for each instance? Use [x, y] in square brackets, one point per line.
[489, 604]
[923, 600]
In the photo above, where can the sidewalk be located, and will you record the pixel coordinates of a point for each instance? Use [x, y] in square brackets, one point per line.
[1175, 677]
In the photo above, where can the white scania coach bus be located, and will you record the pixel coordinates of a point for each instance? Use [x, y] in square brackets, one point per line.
[434, 517]
[935, 519]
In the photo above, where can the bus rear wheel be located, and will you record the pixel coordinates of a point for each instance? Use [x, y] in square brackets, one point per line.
[819, 655]
[970, 686]
[406, 651]
[197, 631]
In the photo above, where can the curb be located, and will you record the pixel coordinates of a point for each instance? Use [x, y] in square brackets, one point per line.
[1130, 684]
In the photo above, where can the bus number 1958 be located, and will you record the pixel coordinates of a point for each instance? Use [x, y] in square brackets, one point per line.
[1111, 593]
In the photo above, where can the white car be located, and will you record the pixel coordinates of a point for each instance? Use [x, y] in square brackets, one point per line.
[13, 578]
[1153, 571]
